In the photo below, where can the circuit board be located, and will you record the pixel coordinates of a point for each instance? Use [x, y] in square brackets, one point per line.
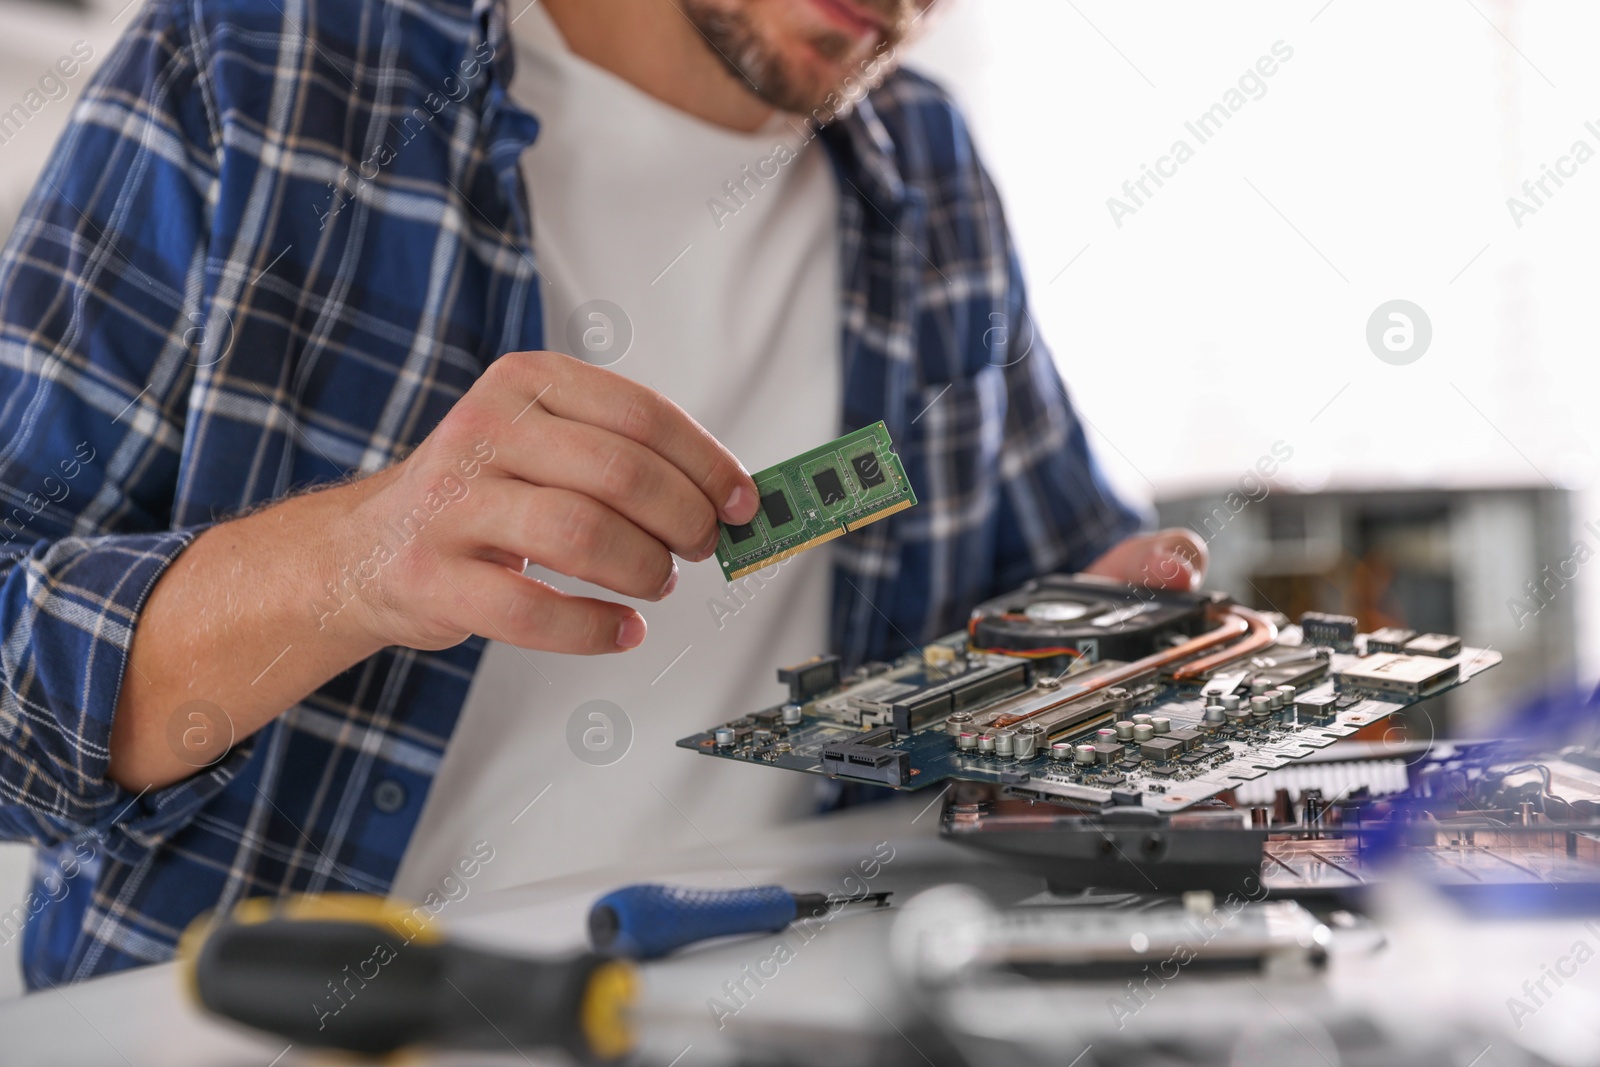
[1191, 720]
[815, 497]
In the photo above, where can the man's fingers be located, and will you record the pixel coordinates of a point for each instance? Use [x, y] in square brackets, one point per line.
[501, 605]
[1188, 547]
[1167, 559]
[573, 534]
[574, 390]
[1177, 559]
[622, 474]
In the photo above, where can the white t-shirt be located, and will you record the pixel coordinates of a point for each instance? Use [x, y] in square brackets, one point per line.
[732, 304]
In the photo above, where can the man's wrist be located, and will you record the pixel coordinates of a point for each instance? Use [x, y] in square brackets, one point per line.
[349, 602]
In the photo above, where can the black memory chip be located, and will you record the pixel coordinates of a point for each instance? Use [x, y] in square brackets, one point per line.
[776, 507]
[829, 487]
[867, 469]
[741, 533]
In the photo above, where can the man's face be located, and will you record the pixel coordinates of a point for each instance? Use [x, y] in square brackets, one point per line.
[796, 52]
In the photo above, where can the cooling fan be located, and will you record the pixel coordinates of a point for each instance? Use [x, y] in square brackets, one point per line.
[1080, 617]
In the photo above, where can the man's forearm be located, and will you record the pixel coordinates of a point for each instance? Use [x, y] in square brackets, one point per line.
[545, 459]
[243, 621]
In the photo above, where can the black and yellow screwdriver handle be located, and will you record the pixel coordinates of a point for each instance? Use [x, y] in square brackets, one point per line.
[361, 974]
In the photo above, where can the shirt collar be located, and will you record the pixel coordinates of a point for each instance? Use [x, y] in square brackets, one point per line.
[865, 153]
[509, 129]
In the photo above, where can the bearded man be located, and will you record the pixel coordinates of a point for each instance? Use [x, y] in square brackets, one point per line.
[357, 356]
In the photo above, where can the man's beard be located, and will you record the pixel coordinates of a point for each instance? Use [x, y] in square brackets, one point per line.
[739, 45]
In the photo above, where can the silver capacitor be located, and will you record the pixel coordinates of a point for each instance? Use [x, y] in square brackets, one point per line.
[967, 741]
[1230, 702]
[1215, 715]
[1289, 703]
[1005, 743]
[1275, 699]
[986, 744]
[724, 736]
[791, 714]
[1124, 731]
[1161, 724]
[1083, 754]
[1143, 731]
[1106, 737]
[1026, 743]
[1140, 718]
[957, 722]
[1062, 751]
[1260, 707]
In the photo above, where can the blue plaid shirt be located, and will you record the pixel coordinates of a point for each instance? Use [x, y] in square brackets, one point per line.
[275, 245]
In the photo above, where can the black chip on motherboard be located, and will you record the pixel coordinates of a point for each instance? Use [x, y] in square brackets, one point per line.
[1161, 748]
[867, 469]
[776, 508]
[741, 533]
[829, 488]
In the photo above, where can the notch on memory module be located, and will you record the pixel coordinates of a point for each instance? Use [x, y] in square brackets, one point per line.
[815, 497]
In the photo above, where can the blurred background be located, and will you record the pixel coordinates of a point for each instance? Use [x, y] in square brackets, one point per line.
[1215, 326]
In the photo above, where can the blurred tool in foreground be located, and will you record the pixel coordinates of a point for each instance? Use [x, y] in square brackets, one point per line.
[649, 921]
[358, 973]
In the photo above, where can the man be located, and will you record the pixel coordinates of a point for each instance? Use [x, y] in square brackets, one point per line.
[332, 247]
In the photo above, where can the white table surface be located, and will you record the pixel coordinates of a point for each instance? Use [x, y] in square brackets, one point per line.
[1436, 968]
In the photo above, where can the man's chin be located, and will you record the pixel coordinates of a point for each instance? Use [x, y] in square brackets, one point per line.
[794, 67]
[822, 79]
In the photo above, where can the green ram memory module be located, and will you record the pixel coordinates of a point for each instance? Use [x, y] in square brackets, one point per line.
[815, 497]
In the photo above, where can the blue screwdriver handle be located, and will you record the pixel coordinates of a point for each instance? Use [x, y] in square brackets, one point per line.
[647, 921]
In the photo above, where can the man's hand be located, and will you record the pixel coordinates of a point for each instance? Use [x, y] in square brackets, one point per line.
[1166, 559]
[549, 460]
[544, 459]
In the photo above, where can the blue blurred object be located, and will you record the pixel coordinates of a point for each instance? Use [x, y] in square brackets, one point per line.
[1559, 717]
[648, 921]
[1478, 799]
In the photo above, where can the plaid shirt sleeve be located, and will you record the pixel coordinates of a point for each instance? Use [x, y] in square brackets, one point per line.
[1008, 488]
[1056, 513]
[101, 327]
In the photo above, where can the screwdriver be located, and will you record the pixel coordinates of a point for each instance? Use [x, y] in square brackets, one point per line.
[648, 921]
[361, 974]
